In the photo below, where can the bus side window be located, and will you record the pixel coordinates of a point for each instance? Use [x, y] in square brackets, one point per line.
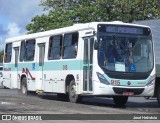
[70, 45]
[55, 44]
[30, 50]
[8, 53]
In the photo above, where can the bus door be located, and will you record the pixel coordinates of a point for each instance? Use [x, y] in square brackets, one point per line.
[16, 75]
[40, 66]
[88, 64]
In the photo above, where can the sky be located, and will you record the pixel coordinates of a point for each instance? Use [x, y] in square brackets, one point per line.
[15, 15]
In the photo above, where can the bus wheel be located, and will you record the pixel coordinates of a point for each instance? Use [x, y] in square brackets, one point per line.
[73, 97]
[62, 97]
[146, 98]
[158, 94]
[120, 100]
[23, 89]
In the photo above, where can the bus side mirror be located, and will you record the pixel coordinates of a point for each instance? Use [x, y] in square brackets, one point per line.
[96, 45]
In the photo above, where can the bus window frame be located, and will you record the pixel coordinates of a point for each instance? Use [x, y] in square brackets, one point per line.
[8, 53]
[25, 49]
[50, 48]
[73, 46]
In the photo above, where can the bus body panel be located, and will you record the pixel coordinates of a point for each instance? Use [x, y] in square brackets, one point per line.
[51, 75]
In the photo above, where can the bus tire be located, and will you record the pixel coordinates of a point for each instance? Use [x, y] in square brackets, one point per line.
[62, 97]
[73, 97]
[146, 97]
[120, 100]
[158, 95]
[23, 89]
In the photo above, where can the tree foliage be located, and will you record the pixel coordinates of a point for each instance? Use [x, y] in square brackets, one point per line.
[63, 13]
[1, 56]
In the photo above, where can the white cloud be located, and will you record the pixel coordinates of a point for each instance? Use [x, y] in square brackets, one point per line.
[15, 15]
[13, 30]
[20, 11]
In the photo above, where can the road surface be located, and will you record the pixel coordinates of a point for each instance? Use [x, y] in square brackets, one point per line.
[11, 102]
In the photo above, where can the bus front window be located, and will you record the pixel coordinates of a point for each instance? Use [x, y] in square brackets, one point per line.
[125, 54]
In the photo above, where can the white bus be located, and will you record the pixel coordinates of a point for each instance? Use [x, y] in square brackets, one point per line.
[111, 59]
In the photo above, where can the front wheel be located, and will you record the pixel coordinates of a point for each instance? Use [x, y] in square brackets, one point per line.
[146, 98]
[73, 96]
[62, 97]
[120, 100]
[158, 95]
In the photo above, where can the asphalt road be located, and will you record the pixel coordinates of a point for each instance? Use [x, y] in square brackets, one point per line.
[12, 103]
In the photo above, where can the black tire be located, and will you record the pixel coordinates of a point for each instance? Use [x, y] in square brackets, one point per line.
[23, 89]
[73, 97]
[146, 98]
[120, 100]
[158, 95]
[62, 97]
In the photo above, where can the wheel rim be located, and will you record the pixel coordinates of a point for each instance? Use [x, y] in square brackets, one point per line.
[23, 89]
[73, 91]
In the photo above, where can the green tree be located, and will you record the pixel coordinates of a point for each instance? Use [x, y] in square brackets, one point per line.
[1, 56]
[63, 13]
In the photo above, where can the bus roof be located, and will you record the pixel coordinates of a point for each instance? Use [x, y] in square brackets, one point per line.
[75, 27]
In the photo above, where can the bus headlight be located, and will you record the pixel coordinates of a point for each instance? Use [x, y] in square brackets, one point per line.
[152, 79]
[102, 79]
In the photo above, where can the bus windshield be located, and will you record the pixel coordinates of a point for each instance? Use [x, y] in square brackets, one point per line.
[125, 53]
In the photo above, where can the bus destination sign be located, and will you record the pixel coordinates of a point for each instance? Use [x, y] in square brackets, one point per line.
[123, 29]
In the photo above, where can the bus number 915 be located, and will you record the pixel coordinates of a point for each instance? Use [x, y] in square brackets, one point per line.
[115, 82]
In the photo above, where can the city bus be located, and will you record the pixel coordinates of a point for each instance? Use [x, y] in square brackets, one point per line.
[104, 59]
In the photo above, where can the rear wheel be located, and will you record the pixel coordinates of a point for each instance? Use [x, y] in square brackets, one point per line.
[120, 100]
[158, 94]
[23, 89]
[73, 96]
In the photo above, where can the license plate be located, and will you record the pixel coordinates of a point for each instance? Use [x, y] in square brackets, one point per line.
[128, 93]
